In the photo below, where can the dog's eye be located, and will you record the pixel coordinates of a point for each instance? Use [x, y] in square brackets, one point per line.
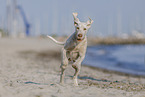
[85, 29]
[78, 28]
[75, 23]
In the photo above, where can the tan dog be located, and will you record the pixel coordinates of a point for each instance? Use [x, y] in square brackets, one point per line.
[74, 48]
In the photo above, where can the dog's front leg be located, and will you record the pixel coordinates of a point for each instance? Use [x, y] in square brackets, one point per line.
[64, 63]
[77, 67]
[77, 70]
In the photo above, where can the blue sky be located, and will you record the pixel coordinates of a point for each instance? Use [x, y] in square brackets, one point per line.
[55, 16]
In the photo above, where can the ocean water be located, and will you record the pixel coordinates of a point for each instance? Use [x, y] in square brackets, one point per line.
[122, 58]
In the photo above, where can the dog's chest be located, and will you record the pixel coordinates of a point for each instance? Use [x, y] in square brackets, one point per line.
[72, 55]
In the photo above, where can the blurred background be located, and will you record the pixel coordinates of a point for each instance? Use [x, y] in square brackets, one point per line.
[119, 18]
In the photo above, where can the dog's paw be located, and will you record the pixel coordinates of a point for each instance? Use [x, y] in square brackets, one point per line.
[75, 82]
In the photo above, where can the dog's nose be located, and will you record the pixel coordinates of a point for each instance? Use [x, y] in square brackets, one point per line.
[80, 35]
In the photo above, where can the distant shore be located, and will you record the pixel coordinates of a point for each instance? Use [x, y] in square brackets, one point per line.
[109, 40]
[99, 40]
[115, 41]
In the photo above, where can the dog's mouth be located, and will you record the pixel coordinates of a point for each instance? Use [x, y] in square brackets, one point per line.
[79, 39]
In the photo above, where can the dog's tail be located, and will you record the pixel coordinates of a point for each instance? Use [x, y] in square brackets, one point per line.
[57, 42]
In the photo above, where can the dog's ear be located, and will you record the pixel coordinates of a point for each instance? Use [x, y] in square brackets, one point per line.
[89, 22]
[76, 20]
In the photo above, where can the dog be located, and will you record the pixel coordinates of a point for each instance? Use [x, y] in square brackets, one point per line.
[74, 48]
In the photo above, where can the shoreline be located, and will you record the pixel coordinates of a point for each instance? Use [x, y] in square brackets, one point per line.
[108, 40]
[113, 71]
[116, 41]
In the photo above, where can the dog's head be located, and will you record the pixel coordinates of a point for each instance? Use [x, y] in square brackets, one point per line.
[81, 27]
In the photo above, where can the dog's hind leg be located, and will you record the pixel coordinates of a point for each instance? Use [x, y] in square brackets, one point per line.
[64, 63]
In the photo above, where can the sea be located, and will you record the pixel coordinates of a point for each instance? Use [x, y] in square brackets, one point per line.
[129, 59]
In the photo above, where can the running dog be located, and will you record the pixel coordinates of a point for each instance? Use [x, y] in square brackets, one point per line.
[74, 48]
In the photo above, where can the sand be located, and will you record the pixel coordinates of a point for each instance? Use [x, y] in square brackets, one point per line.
[30, 68]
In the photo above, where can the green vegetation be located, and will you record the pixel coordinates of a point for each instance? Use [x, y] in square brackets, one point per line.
[2, 33]
[116, 40]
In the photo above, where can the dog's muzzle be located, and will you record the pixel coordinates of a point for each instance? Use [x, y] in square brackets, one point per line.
[79, 37]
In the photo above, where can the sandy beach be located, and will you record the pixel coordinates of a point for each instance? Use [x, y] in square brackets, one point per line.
[30, 68]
